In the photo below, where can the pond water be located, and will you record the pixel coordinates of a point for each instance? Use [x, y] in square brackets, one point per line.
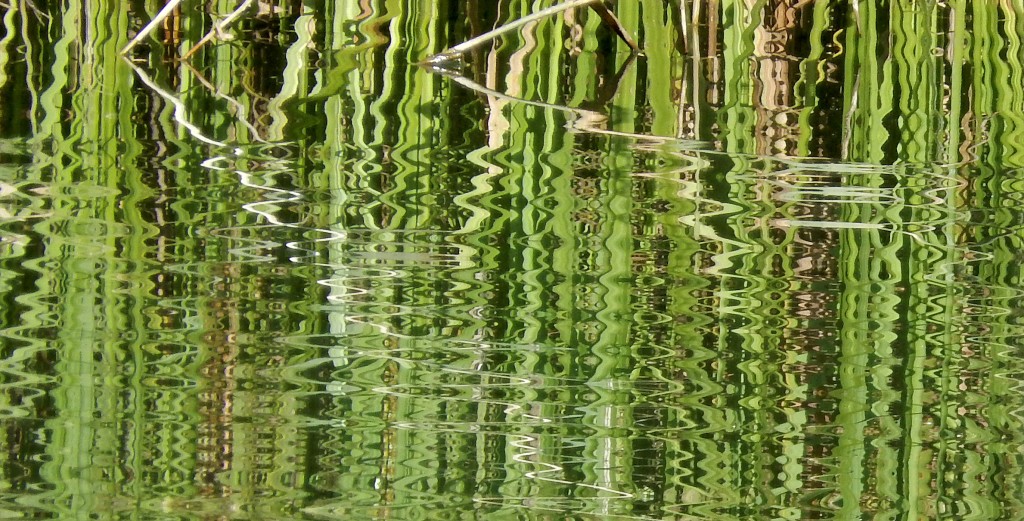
[769, 269]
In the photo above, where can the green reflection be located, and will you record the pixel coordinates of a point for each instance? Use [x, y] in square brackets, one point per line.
[769, 270]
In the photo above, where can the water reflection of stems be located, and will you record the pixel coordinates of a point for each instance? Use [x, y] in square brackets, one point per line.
[598, 5]
[241, 110]
[219, 28]
[179, 107]
[583, 119]
[152, 25]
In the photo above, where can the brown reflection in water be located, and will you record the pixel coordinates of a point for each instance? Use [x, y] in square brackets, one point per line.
[776, 71]
[215, 446]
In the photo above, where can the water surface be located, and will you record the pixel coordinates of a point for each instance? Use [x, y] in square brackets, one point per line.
[768, 270]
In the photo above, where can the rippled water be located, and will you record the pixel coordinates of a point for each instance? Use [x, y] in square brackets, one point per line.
[768, 270]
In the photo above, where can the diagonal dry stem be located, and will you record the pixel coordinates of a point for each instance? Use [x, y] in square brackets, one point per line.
[219, 28]
[609, 18]
[598, 5]
[151, 26]
[581, 120]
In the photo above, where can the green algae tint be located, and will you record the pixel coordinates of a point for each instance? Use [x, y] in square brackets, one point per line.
[768, 270]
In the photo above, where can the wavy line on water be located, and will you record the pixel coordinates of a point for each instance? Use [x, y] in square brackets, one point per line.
[527, 456]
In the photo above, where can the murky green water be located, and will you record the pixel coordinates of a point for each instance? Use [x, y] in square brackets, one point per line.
[769, 270]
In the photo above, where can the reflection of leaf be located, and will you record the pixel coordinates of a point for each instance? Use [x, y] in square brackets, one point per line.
[337, 77]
